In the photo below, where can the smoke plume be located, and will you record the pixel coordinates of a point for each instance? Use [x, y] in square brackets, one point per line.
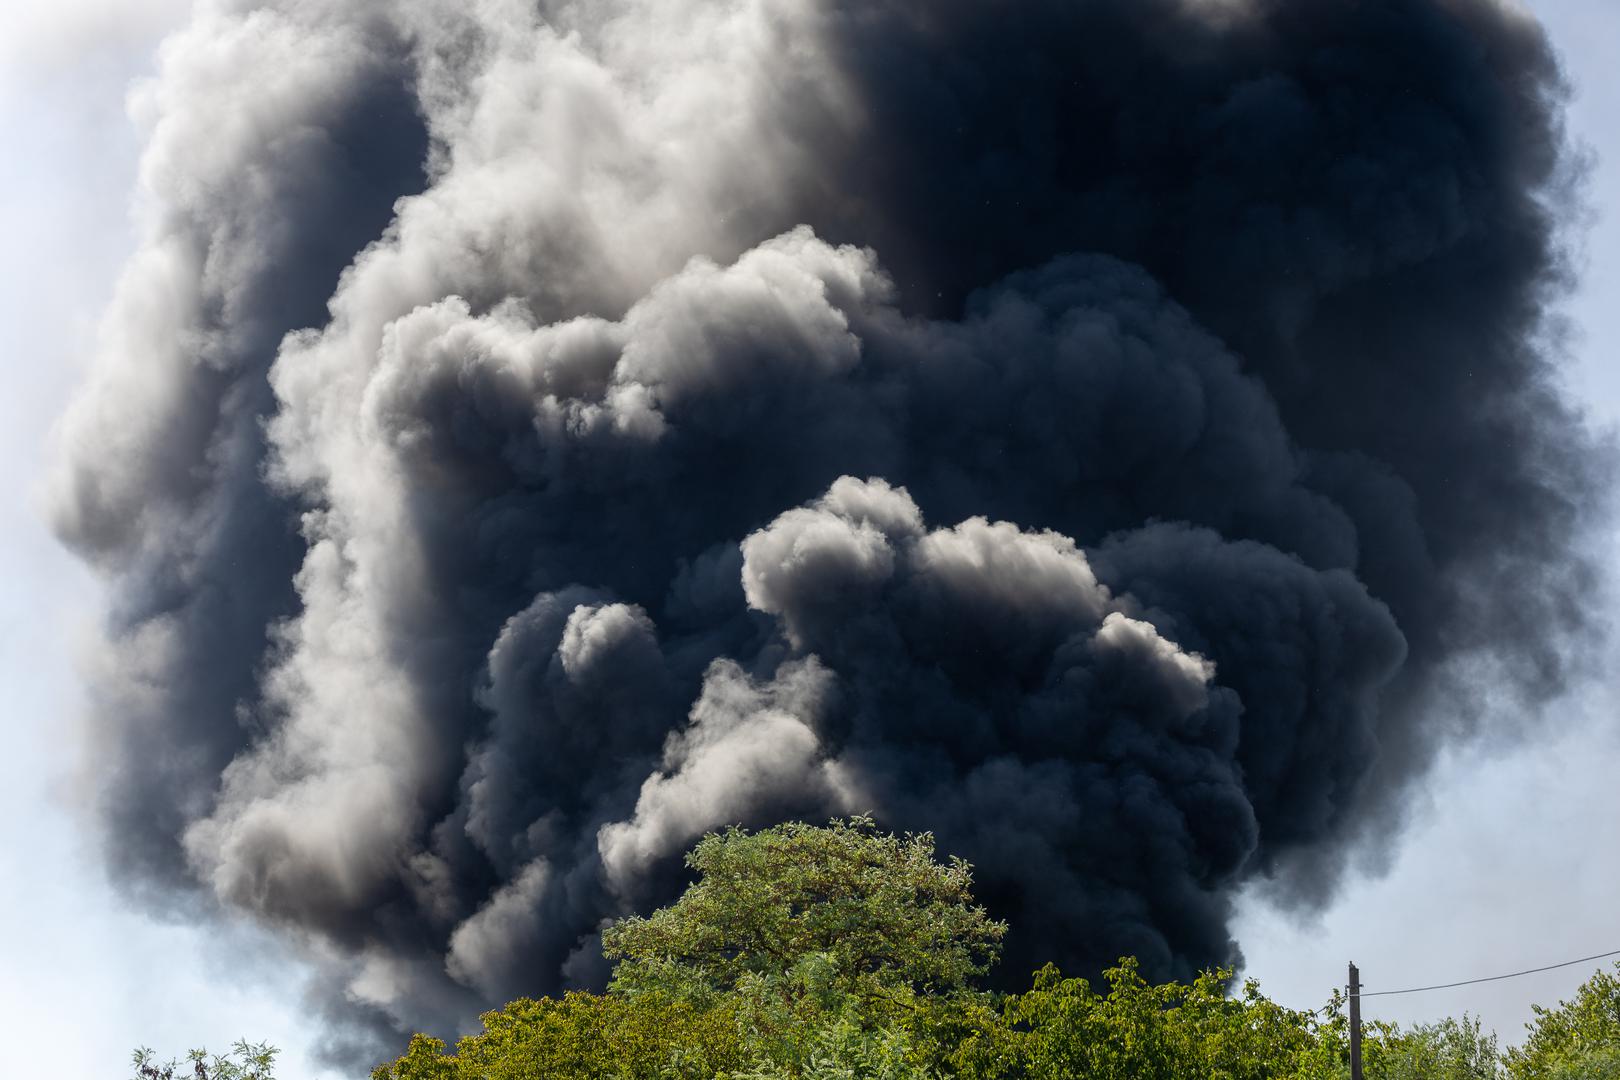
[1121, 436]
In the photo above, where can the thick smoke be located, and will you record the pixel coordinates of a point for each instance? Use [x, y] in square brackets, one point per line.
[1121, 436]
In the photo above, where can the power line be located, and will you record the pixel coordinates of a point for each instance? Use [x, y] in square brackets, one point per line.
[1492, 978]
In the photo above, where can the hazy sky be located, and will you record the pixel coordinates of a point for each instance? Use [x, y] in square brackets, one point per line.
[1509, 862]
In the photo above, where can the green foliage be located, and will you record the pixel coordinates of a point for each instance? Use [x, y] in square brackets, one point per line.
[1578, 1039]
[584, 1035]
[1449, 1050]
[1064, 1027]
[841, 952]
[844, 1048]
[246, 1061]
[799, 912]
[1599, 1064]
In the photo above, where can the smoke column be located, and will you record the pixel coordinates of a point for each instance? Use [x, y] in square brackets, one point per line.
[1121, 436]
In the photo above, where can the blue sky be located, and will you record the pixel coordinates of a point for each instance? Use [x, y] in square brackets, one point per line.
[1508, 861]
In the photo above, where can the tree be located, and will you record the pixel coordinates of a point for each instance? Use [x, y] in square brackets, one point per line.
[843, 1050]
[833, 943]
[1066, 1028]
[839, 910]
[1578, 1039]
[1449, 1050]
[584, 1035]
[246, 1061]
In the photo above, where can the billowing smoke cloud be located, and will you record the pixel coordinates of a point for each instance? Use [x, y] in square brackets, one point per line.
[1122, 436]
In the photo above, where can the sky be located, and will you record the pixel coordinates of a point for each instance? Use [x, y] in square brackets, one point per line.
[1507, 861]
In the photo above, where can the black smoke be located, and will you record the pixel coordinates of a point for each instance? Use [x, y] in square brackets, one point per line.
[1122, 437]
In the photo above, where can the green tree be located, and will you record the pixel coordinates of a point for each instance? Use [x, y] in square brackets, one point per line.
[829, 940]
[1600, 1064]
[841, 1048]
[584, 1035]
[1449, 1050]
[843, 910]
[1578, 1039]
[245, 1061]
[1066, 1028]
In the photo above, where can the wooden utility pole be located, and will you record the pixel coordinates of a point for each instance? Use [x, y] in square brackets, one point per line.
[1355, 1023]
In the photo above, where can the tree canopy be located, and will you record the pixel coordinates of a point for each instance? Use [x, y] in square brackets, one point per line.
[1578, 1040]
[245, 1061]
[871, 914]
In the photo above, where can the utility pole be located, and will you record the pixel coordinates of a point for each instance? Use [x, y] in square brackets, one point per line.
[1355, 1023]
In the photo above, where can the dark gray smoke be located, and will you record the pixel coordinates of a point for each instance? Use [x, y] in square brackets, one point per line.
[1122, 436]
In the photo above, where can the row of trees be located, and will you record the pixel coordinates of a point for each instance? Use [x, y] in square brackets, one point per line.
[842, 952]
